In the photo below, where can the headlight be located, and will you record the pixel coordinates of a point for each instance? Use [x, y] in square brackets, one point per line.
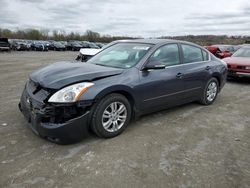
[247, 67]
[70, 93]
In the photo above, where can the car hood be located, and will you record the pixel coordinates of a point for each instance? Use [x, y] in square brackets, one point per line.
[237, 61]
[60, 74]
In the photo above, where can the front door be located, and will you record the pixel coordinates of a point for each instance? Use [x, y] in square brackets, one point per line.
[160, 88]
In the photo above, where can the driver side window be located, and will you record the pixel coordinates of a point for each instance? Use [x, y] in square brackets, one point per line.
[166, 55]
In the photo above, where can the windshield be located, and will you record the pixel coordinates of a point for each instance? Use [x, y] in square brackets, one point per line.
[242, 52]
[121, 55]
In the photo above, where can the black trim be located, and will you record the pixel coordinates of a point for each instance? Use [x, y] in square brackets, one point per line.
[162, 96]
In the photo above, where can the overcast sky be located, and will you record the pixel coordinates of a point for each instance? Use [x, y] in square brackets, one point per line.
[145, 18]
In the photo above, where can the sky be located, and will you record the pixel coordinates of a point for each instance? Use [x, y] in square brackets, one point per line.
[137, 18]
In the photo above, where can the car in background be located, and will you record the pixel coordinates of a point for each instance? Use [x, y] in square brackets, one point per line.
[237, 47]
[4, 44]
[63, 43]
[86, 44]
[74, 45]
[45, 43]
[93, 45]
[20, 45]
[39, 46]
[57, 46]
[65, 100]
[239, 63]
[221, 51]
[86, 53]
[100, 45]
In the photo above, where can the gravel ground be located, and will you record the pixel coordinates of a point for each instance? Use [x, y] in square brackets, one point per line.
[188, 146]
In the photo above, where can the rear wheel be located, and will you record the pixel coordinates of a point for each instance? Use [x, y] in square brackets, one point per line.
[210, 92]
[111, 116]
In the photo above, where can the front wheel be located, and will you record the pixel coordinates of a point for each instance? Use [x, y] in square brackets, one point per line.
[210, 92]
[111, 116]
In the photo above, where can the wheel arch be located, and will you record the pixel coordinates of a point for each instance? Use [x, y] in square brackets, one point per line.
[123, 90]
[218, 77]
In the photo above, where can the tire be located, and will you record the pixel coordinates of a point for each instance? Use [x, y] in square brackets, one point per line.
[210, 92]
[114, 125]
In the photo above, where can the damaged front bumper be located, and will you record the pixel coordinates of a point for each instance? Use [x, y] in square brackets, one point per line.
[57, 123]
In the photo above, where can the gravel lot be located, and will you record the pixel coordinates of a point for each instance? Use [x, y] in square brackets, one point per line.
[188, 146]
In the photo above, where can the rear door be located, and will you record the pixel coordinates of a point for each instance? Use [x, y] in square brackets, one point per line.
[196, 70]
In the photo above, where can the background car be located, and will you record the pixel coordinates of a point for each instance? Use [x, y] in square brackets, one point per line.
[57, 46]
[74, 45]
[221, 51]
[21, 45]
[46, 44]
[93, 45]
[239, 63]
[39, 46]
[86, 44]
[63, 43]
[86, 53]
[100, 45]
[4, 44]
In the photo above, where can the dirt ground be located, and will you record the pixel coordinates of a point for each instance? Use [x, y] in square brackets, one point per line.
[188, 146]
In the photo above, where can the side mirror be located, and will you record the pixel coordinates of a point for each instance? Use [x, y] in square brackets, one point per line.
[153, 67]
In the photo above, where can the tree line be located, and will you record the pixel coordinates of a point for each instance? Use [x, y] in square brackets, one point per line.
[58, 35]
[92, 36]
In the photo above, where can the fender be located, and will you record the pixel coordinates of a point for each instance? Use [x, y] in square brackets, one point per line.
[125, 90]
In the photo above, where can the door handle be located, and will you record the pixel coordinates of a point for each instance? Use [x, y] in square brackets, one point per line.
[207, 68]
[179, 75]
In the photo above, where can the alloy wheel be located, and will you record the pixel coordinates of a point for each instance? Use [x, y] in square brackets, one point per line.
[212, 91]
[114, 116]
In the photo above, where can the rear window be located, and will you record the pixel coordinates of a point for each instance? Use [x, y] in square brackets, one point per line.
[192, 54]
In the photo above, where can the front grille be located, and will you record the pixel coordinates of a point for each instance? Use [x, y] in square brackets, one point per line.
[240, 67]
[49, 113]
[37, 92]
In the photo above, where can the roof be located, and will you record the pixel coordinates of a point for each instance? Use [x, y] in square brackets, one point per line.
[153, 41]
[245, 46]
[222, 45]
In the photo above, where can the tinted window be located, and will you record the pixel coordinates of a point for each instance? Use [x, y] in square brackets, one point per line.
[191, 54]
[166, 55]
[205, 55]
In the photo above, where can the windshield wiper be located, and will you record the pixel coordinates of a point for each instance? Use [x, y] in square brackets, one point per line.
[100, 64]
[106, 65]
